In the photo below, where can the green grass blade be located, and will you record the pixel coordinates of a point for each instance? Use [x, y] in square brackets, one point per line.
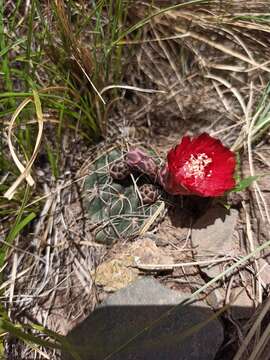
[13, 233]
[5, 50]
[15, 229]
[18, 228]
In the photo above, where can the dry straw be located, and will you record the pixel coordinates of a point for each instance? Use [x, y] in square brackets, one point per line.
[25, 170]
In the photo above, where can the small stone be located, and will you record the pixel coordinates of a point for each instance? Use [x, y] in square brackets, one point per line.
[139, 322]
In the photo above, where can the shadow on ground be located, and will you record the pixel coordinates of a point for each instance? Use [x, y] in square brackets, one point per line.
[148, 332]
[194, 208]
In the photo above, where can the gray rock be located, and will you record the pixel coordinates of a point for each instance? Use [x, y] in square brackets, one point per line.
[145, 292]
[213, 235]
[140, 322]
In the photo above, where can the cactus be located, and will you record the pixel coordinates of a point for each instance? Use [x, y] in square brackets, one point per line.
[113, 204]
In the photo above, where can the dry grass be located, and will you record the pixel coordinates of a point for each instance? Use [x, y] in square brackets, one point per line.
[197, 68]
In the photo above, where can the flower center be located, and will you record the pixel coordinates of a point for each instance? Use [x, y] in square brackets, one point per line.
[196, 165]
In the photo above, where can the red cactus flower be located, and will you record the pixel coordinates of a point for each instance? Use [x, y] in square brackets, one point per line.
[200, 166]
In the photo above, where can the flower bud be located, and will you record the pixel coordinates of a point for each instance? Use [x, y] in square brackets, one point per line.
[138, 160]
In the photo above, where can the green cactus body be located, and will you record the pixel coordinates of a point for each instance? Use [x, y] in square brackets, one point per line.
[114, 207]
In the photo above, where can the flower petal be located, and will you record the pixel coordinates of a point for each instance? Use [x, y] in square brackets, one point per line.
[201, 166]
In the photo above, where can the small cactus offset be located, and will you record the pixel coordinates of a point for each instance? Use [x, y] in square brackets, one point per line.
[149, 193]
[116, 207]
[119, 170]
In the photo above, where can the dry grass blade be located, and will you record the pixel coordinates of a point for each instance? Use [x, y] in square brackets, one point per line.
[260, 347]
[12, 281]
[134, 88]
[151, 220]
[253, 330]
[258, 193]
[10, 192]
[158, 267]
[9, 282]
[20, 166]
[90, 81]
[222, 48]
[231, 88]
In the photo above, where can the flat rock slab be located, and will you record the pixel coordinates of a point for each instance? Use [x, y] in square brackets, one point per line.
[213, 235]
[140, 322]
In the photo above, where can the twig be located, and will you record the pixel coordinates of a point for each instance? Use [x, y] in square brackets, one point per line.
[161, 267]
